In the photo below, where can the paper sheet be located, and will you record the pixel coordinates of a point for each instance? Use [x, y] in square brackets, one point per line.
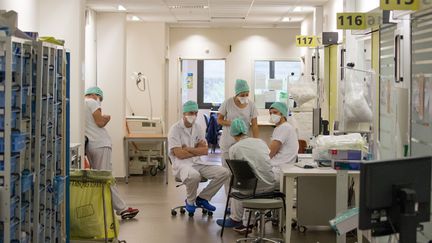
[260, 81]
[275, 84]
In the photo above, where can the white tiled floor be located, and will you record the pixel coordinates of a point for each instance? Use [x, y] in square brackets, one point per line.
[155, 224]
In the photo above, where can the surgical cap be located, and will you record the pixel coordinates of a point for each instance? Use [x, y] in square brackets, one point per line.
[190, 106]
[241, 86]
[281, 107]
[94, 90]
[238, 127]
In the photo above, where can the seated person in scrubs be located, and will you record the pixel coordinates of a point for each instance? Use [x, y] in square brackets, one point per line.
[284, 142]
[186, 144]
[256, 152]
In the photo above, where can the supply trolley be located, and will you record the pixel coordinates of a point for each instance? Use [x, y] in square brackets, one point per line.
[92, 218]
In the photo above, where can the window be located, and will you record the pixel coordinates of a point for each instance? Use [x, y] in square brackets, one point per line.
[211, 83]
[203, 81]
[271, 80]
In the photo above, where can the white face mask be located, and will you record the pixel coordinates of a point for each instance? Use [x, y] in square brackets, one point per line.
[275, 118]
[243, 100]
[191, 119]
[99, 102]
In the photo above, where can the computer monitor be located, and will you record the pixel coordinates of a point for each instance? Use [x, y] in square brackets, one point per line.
[395, 196]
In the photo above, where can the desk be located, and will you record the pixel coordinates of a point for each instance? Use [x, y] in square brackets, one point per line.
[290, 172]
[145, 138]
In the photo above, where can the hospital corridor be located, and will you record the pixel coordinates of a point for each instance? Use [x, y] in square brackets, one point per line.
[216, 121]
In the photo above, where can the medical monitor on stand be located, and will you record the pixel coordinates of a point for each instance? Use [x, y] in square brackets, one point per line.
[395, 196]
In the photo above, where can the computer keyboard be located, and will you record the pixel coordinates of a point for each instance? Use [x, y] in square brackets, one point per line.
[307, 164]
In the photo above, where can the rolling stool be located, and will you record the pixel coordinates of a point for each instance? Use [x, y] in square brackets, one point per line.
[182, 209]
[261, 205]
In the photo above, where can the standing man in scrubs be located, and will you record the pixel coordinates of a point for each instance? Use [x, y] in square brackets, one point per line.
[99, 146]
[284, 142]
[241, 107]
[186, 144]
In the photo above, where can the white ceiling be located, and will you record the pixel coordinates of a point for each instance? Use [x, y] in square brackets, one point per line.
[214, 13]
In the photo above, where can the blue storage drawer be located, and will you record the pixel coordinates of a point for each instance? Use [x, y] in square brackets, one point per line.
[13, 120]
[13, 228]
[18, 142]
[13, 164]
[26, 181]
[24, 206]
[13, 99]
[59, 187]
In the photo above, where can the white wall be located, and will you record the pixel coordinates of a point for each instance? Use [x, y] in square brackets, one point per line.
[145, 53]
[90, 48]
[64, 19]
[111, 46]
[329, 16]
[28, 19]
[307, 29]
[247, 45]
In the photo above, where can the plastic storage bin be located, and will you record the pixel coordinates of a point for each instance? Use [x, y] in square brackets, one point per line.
[18, 142]
[13, 228]
[14, 178]
[59, 187]
[2, 99]
[13, 164]
[13, 120]
[24, 206]
[26, 181]
[14, 204]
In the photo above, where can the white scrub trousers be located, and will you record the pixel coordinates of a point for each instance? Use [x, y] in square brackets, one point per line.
[237, 210]
[191, 177]
[100, 159]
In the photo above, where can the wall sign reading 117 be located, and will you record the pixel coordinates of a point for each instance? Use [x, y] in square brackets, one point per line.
[306, 41]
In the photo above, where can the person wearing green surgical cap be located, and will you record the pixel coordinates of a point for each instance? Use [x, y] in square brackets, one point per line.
[256, 153]
[241, 107]
[186, 145]
[284, 141]
[99, 147]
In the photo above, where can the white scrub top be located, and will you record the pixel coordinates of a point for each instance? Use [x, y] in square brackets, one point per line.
[231, 111]
[256, 152]
[180, 135]
[98, 136]
[286, 134]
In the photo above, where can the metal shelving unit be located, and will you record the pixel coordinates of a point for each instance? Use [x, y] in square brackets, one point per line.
[48, 219]
[16, 146]
[33, 147]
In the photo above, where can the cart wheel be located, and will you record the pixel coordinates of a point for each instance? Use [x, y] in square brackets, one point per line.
[293, 224]
[210, 213]
[173, 212]
[191, 214]
[204, 211]
[161, 166]
[302, 229]
[182, 211]
[153, 170]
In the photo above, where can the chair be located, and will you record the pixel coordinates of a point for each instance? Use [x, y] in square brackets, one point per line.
[243, 179]
[181, 208]
[302, 146]
[206, 119]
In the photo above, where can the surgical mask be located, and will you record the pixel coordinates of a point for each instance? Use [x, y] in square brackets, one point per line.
[191, 119]
[243, 100]
[99, 102]
[275, 118]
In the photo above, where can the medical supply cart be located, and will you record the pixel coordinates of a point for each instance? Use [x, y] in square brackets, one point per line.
[32, 147]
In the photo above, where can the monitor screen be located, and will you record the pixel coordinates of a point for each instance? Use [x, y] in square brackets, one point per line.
[380, 186]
